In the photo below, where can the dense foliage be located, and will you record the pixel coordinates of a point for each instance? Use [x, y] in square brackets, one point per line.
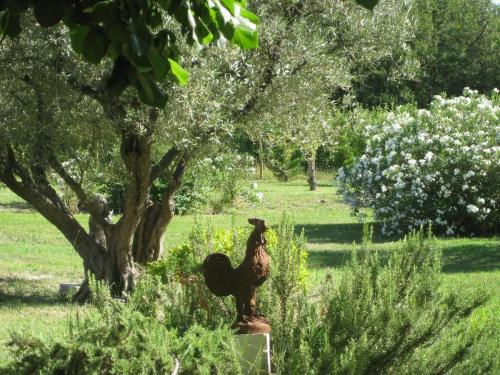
[437, 166]
[451, 44]
[386, 314]
[139, 37]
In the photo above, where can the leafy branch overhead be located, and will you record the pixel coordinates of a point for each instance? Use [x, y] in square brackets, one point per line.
[137, 35]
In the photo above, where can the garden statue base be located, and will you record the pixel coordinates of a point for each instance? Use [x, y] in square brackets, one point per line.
[255, 353]
[252, 325]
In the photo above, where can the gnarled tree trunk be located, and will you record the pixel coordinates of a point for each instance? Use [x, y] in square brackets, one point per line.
[110, 251]
[311, 172]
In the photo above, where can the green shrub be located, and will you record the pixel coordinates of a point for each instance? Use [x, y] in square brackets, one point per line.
[285, 162]
[132, 338]
[386, 313]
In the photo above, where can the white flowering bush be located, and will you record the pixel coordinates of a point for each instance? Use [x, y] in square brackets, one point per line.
[439, 166]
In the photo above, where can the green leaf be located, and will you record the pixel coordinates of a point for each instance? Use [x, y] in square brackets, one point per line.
[149, 92]
[116, 31]
[180, 74]
[245, 38]
[229, 5]
[102, 11]
[250, 16]
[77, 36]
[49, 12]
[95, 46]
[368, 4]
[165, 4]
[203, 33]
[158, 62]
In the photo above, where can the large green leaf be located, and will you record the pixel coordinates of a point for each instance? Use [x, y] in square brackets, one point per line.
[49, 12]
[103, 11]
[180, 74]
[249, 16]
[245, 38]
[77, 36]
[368, 4]
[149, 92]
[158, 62]
[95, 46]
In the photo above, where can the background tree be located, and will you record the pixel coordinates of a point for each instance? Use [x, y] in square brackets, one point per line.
[457, 44]
[308, 65]
[47, 87]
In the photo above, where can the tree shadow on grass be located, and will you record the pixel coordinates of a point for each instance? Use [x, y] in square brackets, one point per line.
[31, 300]
[18, 291]
[344, 233]
[460, 258]
[16, 206]
[324, 258]
[471, 258]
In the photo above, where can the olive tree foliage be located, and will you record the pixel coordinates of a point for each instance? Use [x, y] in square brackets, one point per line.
[137, 35]
[307, 66]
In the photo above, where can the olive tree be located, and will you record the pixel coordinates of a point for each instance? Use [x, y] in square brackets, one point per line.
[308, 66]
[63, 120]
[57, 109]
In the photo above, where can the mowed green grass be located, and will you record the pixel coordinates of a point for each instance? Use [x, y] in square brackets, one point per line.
[35, 257]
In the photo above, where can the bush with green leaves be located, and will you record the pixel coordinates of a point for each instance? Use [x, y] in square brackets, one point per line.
[127, 338]
[285, 162]
[386, 313]
[180, 271]
[438, 166]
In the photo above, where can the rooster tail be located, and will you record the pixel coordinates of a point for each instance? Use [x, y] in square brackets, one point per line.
[219, 274]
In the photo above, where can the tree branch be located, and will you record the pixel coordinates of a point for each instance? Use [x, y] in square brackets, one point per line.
[164, 162]
[84, 245]
[90, 202]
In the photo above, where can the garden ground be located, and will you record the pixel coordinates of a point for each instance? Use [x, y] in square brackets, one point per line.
[35, 258]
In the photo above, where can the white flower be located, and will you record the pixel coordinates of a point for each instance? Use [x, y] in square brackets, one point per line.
[469, 174]
[260, 195]
[472, 209]
[383, 188]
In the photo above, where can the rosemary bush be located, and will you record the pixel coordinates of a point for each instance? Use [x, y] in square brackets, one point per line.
[387, 313]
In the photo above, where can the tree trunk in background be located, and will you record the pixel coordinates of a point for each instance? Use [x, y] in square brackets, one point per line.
[311, 173]
[261, 160]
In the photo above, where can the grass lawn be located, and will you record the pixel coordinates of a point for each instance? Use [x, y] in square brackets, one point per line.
[35, 258]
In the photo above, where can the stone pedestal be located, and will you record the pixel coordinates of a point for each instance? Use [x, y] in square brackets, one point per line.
[255, 353]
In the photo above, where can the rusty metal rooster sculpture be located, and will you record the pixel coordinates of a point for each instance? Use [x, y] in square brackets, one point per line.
[242, 282]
